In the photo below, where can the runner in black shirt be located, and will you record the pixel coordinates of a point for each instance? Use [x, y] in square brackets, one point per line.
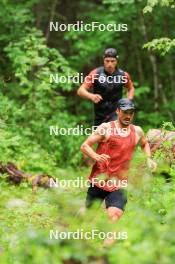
[107, 83]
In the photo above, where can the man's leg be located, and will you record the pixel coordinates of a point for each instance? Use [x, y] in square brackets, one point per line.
[94, 194]
[114, 213]
[112, 117]
[98, 121]
[115, 203]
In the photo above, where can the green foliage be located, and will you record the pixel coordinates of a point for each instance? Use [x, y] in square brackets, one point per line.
[41, 104]
[152, 3]
[162, 45]
[33, 62]
[30, 104]
[168, 126]
[36, 214]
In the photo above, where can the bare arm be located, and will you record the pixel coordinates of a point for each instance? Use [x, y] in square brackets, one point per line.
[84, 92]
[87, 149]
[130, 87]
[130, 93]
[144, 144]
[146, 149]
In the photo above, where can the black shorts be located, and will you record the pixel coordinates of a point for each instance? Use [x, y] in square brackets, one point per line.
[99, 120]
[116, 198]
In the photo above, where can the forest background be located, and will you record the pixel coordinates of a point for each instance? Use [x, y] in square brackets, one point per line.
[30, 104]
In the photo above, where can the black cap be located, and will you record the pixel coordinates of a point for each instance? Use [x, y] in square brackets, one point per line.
[110, 53]
[126, 104]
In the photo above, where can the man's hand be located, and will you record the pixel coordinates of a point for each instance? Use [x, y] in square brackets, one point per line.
[146, 148]
[151, 164]
[101, 158]
[96, 98]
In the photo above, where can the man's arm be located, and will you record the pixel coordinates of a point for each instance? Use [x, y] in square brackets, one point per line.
[146, 149]
[130, 93]
[130, 87]
[87, 149]
[83, 91]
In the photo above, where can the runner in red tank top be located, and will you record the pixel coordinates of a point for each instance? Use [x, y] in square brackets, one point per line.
[120, 148]
[116, 143]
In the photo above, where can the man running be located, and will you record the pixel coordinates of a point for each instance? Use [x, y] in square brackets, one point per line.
[107, 83]
[116, 144]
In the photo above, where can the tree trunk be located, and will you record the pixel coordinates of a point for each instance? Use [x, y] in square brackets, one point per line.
[52, 14]
[152, 60]
[39, 11]
[165, 101]
[139, 63]
[155, 79]
[171, 75]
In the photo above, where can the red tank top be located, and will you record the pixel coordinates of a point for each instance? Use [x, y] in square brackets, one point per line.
[120, 150]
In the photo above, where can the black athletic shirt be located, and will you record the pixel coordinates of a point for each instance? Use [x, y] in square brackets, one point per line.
[110, 87]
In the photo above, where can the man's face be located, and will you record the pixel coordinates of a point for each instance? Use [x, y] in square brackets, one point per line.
[110, 64]
[125, 116]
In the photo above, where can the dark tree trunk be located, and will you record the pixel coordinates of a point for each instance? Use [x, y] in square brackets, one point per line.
[52, 14]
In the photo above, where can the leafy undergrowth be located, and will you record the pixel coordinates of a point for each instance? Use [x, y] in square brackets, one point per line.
[27, 220]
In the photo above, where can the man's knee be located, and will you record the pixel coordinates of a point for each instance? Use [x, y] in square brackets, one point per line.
[114, 213]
